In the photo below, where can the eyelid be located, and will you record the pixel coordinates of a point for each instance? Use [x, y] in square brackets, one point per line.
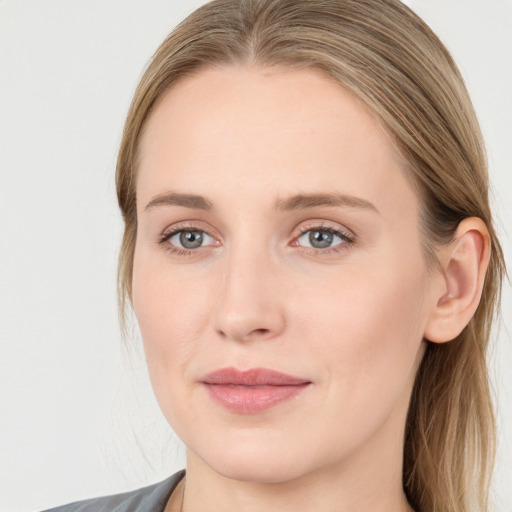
[172, 230]
[324, 225]
[205, 236]
[347, 236]
[189, 225]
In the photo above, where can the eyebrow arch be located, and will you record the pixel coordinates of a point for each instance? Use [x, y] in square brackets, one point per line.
[176, 199]
[304, 201]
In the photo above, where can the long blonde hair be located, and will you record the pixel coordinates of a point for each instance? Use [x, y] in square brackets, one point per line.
[391, 60]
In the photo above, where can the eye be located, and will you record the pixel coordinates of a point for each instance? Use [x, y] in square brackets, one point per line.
[188, 239]
[322, 238]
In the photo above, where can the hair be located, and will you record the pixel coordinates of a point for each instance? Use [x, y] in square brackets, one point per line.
[389, 59]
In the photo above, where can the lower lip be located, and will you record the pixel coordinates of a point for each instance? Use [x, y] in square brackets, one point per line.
[252, 399]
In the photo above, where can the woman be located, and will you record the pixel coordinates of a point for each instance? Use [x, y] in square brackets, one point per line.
[311, 259]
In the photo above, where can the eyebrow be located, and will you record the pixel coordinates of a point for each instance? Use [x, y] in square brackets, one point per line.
[304, 201]
[176, 199]
[296, 202]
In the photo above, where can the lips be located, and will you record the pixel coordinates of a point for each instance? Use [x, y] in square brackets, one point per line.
[252, 391]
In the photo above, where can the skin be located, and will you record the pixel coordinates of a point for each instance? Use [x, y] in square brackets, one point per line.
[350, 318]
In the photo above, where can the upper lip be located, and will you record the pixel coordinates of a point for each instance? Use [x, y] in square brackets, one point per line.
[252, 377]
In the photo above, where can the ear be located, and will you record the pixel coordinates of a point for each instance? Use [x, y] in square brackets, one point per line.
[464, 264]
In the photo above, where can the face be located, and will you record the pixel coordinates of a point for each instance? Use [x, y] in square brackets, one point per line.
[279, 282]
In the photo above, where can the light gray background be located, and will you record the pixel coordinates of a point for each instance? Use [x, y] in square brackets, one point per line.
[77, 417]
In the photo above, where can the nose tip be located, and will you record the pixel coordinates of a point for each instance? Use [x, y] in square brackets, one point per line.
[248, 308]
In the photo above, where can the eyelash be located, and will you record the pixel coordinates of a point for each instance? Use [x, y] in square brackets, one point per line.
[347, 239]
[167, 235]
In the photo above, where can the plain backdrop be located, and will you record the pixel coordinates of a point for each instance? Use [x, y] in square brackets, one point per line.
[77, 416]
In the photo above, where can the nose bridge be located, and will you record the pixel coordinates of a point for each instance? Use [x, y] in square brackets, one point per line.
[248, 306]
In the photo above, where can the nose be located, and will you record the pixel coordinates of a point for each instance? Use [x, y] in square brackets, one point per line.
[250, 305]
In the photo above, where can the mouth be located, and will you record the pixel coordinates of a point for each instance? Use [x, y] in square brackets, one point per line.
[252, 391]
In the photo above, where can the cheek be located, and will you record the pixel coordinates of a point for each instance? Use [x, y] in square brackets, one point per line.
[170, 313]
[367, 328]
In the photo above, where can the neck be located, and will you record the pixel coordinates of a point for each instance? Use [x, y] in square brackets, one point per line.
[369, 480]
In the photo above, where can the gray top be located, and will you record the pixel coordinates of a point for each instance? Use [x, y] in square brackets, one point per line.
[153, 498]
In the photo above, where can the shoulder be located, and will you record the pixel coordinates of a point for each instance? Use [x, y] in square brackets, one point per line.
[147, 499]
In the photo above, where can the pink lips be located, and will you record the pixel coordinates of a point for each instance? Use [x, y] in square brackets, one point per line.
[252, 391]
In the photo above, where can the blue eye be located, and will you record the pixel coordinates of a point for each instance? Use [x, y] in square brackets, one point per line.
[322, 238]
[188, 239]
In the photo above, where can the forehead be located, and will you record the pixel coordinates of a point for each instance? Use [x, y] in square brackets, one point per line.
[284, 130]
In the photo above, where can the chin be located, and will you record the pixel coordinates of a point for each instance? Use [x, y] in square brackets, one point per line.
[258, 472]
[255, 462]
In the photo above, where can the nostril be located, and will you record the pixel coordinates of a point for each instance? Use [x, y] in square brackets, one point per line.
[240, 321]
[244, 336]
[259, 332]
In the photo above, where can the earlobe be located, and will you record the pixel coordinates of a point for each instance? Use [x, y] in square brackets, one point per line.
[464, 264]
